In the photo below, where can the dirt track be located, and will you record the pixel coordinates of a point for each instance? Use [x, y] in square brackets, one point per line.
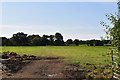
[48, 68]
[41, 69]
[30, 67]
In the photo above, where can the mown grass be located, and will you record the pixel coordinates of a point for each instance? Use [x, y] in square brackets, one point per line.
[73, 54]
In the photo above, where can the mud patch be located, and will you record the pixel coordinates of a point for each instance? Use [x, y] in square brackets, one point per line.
[30, 66]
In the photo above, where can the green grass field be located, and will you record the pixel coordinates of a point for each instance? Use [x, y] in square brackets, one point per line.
[72, 54]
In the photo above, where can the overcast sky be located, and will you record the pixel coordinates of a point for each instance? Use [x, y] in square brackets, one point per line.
[79, 20]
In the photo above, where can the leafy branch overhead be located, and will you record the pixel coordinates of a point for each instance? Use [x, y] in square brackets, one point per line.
[113, 30]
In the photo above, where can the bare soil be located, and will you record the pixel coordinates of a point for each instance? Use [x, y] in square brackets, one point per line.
[30, 67]
[41, 68]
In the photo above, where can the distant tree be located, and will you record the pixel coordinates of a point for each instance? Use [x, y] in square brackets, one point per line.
[69, 42]
[88, 42]
[106, 42]
[45, 40]
[58, 36]
[19, 39]
[51, 40]
[94, 42]
[82, 42]
[4, 41]
[34, 40]
[59, 39]
[99, 43]
[76, 42]
[30, 39]
[91, 43]
[46, 36]
[58, 43]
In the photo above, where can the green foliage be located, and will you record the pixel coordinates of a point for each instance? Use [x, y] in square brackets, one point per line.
[59, 39]
[21, 39]
[97, 42]
[69, 42]
[113, 31]
[76, 42]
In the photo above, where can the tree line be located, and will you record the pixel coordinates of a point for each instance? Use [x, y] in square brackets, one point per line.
[22, 39]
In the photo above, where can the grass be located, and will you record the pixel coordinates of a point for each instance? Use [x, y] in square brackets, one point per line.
[96, 56]
[73, 54]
